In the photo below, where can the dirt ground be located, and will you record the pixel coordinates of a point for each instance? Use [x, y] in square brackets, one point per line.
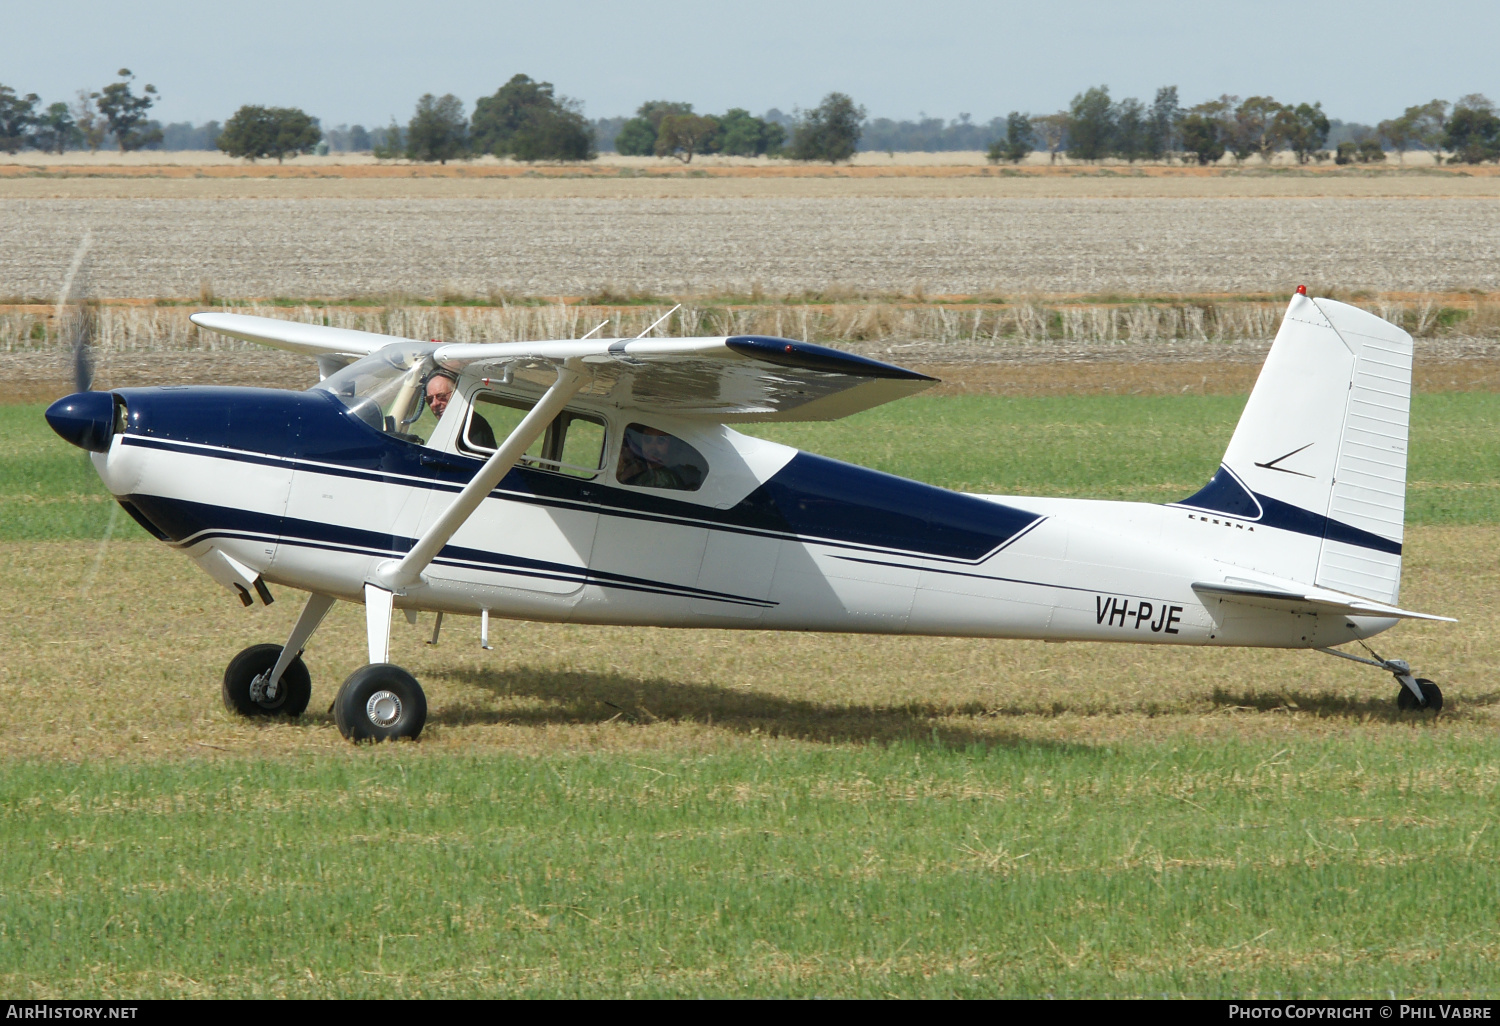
[458, 181]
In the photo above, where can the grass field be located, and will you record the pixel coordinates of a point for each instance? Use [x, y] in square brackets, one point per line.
[1330, 867]
[605, 811]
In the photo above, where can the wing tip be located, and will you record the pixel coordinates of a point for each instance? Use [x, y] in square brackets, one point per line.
[791, 353]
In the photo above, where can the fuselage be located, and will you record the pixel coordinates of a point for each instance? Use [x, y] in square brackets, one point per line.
[304, 493]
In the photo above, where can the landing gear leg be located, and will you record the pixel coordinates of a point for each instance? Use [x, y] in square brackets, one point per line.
[378, 606]
[1416, 692]
[311, 616]
[381, 701]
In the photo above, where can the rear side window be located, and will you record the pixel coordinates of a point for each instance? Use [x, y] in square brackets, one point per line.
[573, 443]
[581, 451]
[652, 458]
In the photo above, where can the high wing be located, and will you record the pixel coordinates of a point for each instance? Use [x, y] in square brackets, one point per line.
[334, 348]
[733, 378]
[311, 339]
[1302, 598]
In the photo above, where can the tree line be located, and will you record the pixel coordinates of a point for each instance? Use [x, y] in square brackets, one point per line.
[527, 120]
[115, 113]
[1095, 127]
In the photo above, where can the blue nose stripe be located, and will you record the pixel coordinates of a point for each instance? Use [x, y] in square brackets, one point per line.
[87, 419]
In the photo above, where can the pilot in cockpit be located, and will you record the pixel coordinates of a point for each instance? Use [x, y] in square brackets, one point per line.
[440, 384]
[644, 459]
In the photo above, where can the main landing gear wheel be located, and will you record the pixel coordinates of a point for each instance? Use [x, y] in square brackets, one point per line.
[1407, 702]
[380, 702]
[245, 690]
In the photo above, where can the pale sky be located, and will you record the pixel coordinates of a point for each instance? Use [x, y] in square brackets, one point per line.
[347, 62]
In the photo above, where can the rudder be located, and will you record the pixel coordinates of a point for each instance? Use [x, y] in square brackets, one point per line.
[1320, 449]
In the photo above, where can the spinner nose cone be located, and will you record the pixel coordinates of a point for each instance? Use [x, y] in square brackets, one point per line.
[87, 419]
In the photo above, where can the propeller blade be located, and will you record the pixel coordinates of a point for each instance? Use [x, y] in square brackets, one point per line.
[83, 317]
[83, 348]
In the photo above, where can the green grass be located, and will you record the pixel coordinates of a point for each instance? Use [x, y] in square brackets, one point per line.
[604, 812]
[1321, 868]
[1142, 448]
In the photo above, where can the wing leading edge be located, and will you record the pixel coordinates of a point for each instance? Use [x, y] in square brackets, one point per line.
[310, 339]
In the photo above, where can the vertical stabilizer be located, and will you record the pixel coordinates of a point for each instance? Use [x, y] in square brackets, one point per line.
[1320, 451]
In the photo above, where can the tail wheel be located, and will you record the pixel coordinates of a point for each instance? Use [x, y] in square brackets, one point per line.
[245, 695]
[1407, 702]
[380, 702]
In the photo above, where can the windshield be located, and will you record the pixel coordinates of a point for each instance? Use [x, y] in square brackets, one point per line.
[385, 388]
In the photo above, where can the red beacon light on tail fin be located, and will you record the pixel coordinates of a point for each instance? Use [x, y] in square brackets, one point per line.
[1301, 290]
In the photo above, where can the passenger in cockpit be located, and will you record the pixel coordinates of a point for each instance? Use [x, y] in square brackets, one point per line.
[440, 384]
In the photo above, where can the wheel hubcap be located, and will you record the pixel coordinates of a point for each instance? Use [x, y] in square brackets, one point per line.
[261, 693]
[383, 708]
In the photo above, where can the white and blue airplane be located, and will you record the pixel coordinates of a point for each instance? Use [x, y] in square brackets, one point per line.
[599, 481]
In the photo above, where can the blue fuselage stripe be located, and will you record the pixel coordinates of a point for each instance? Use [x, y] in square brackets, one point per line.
[189, 523]
[1226, 495]
[811, 498]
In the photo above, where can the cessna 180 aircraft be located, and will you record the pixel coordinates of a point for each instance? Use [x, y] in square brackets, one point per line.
[599, 481]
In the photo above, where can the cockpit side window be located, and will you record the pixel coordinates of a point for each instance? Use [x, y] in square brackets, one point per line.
[384, 389]
[653, 458]
[573, 443]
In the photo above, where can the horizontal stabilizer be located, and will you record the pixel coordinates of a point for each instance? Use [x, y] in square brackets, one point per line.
[1298, 598]
[311, 339]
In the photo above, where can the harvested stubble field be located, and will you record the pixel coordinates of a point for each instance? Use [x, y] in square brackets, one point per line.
[644, 812]
[404, 184]
[1448, 325]
[881, 245]
[952, 168]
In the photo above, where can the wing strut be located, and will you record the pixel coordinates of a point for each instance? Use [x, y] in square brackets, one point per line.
[394, 576]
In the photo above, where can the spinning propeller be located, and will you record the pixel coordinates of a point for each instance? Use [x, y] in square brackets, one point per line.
[82, 319]
[85, 418]
[83, 325]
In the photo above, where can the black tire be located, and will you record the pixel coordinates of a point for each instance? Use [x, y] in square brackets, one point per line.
[380, 702]
[1407, 702]
[292, 695]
